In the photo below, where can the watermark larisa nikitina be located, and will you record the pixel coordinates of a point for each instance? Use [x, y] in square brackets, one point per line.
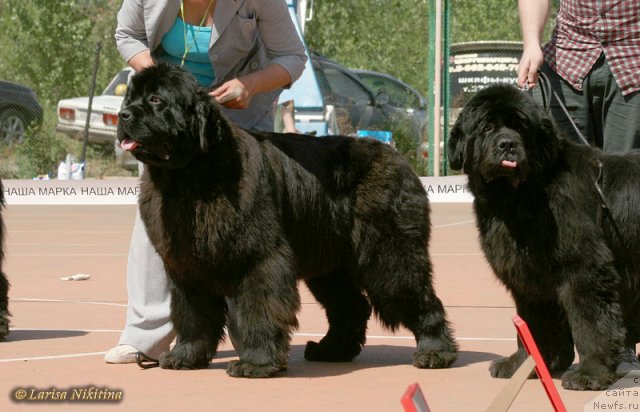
[79, 394]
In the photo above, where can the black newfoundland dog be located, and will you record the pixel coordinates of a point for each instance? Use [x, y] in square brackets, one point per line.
[243, 215]
[4, 283]
[545, 234]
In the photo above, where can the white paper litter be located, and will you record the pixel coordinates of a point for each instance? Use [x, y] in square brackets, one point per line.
[79, 276]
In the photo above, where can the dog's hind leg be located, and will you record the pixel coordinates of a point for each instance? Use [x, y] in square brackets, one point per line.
[436, 347]
[198, 318]
[347, 310]
[265, 308]
[401, 292]
[4, 283]
[4, 306]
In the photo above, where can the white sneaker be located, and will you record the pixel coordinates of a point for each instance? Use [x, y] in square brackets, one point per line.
[121, 354]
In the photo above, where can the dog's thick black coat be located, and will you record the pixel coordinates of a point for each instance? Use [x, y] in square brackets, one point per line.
[242, 215]
[4, 283]
[543, 230]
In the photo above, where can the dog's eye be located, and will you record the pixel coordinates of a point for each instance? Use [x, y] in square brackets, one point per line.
[155, 99]
[488, 128]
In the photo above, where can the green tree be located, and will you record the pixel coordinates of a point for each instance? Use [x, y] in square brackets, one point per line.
[473, 20]
[49, 45]
[383, 35]
[392, 36]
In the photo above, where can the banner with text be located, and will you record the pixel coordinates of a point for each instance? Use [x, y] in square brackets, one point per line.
[448, 189]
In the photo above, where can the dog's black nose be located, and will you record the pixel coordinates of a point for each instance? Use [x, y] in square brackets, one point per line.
[507, 144]
[124, 115]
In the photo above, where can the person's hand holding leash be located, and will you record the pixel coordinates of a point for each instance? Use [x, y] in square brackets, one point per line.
[530, 62]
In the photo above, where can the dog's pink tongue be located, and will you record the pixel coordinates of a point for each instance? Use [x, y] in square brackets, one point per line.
[509, 164]
[128, 144]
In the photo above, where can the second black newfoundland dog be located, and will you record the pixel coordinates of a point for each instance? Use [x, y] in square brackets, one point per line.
[244, 215]
[545, 234]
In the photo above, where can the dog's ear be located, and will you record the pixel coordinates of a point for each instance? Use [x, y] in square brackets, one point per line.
[211, 123]
[542, 139]
[202, 117]
[549, 140]
[208, 118]
[457, 144]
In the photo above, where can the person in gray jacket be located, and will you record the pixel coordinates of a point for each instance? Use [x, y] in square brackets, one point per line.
[245, 52]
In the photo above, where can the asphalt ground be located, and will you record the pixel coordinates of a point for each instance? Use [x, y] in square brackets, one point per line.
[61, 329]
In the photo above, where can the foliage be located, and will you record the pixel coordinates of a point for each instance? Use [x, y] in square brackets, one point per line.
[392, 36]
[40, 151]
[382, 35]
[406, 143]
[51, 45]
[43, 149]
[473, 20]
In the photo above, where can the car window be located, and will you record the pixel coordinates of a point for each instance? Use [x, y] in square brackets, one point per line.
[341, 88]
[119, 80]
[399, 95]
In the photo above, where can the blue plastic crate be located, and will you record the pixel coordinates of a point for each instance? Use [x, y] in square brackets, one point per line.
[384, 136]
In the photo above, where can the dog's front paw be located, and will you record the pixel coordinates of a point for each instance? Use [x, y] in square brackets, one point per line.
[579, 380]
[241, 369]
[181, 357]
[434, 359]
[504, 368]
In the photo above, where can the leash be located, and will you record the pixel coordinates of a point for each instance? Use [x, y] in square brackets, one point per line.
[144, 362]
[547, 93]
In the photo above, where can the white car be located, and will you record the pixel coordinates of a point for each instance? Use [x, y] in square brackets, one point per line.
[72, 117]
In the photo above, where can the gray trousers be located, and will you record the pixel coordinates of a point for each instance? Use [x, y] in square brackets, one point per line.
[605, 117]
[148, 326]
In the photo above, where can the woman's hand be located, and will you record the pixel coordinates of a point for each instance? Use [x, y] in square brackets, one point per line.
[237, 93]
[232, 94]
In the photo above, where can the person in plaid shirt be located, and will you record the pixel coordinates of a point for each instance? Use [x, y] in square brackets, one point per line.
[593, 63]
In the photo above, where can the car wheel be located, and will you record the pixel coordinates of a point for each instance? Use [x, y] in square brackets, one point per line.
[12, 126]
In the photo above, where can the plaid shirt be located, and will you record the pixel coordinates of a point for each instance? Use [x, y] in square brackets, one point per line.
[585, 29]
